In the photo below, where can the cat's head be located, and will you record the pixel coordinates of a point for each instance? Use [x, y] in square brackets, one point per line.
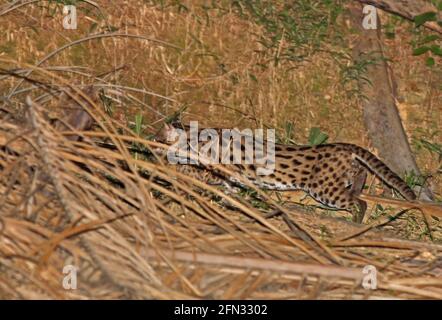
[168, 134]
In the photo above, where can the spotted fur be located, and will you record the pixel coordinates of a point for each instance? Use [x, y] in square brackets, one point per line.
[333, 174]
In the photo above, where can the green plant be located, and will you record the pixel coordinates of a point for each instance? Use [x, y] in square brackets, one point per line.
[353, 73]
[138, 124]
[295, 30]
[433, 147]
[287, 137]
[428, 44]
[414, 180]
[253, 198]
[316, 137]
[137, 128]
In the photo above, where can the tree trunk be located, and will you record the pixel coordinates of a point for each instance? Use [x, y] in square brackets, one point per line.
[381, 116]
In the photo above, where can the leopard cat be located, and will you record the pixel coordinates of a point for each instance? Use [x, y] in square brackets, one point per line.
[333, 174]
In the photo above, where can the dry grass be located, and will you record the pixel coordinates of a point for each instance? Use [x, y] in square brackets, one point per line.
[135, 227]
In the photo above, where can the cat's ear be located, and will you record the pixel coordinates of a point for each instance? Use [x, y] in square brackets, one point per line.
[161, 135]
[165, 133]
[168, 127]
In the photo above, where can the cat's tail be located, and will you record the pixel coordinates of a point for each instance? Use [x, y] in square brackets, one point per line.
[383, 172]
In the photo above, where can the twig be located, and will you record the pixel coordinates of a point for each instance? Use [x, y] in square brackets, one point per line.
[375, 224]
[262, 264]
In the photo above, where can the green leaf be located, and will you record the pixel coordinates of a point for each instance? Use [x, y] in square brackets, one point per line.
[317, 137]
[138, 123]
[289, 128]
[424, 17]
[435, 49]
[390, 35]
[430, 62]
[430, 38]
[420, 50]
[253, 77]
[439, 5]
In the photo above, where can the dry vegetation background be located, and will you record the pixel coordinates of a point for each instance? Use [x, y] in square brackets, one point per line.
[137, 228]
